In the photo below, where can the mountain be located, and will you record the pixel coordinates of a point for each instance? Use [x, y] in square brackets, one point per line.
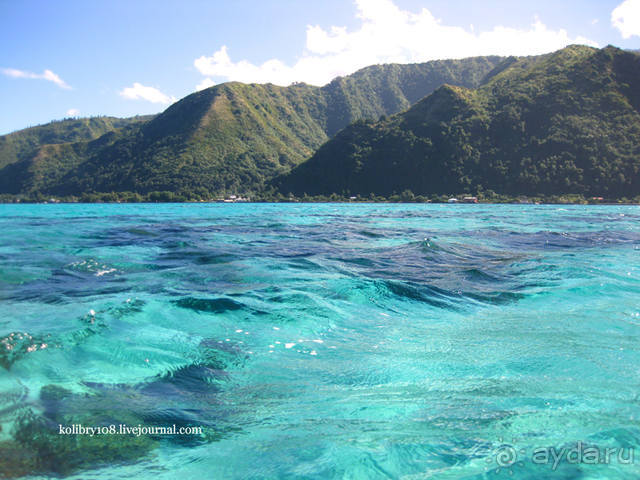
[228, 138]
[39, 155]
[25, 144]
[567, 122]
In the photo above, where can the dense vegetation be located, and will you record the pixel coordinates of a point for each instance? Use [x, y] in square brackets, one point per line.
[41, 155]
[229, 138]
[26, 143]
[559, 127]
[565, 123]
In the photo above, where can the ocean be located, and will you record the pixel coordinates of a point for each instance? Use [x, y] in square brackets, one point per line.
[351, 341]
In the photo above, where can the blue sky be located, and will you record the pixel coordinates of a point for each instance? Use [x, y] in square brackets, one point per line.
[128, 57]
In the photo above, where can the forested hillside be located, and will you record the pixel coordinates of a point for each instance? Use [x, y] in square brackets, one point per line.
[229, 138]
[563, 123]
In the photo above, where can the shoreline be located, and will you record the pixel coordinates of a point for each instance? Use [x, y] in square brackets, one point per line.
[335, 202]
[458, 198]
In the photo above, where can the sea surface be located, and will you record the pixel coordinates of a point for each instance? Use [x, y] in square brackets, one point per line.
[320, 341]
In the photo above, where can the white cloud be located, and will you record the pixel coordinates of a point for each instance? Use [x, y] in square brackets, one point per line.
[46, 75]
[626, 18]
[73, 112]
[205, 83]
[387, 35]
[220, 65]
[142, 92]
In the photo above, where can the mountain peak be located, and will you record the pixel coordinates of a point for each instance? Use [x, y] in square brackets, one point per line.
[567, 122]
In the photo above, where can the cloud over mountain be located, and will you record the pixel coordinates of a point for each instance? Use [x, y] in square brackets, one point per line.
[387, 34]
[142, 92]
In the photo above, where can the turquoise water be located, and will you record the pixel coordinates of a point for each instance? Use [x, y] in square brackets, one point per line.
[324, 341]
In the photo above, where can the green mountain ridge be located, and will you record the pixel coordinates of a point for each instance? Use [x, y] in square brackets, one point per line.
[25, 143]
[230, 138]
[568, 122]
[44, 153]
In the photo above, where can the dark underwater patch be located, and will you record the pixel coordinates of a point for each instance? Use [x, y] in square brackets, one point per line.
[564, 241]
[196, 256]
[446, 299]
[16, 345]
[37, 448]
[370, 234]
[209, 305]
[66, 284]
[432, 296]
[496, 298]
[479, 275]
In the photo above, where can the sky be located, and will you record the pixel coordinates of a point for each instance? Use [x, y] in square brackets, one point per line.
[79, 58]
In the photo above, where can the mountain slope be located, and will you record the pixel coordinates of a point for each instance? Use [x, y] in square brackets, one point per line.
[233, 137]
[387, 89]
[230, 136]
[25, 144]
[563, 123]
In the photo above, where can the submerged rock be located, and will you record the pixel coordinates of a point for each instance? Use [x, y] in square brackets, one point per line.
[16, 460]
[185, 397]
[39, 447]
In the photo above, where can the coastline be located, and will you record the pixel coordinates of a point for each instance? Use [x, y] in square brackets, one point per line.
[552, 200]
